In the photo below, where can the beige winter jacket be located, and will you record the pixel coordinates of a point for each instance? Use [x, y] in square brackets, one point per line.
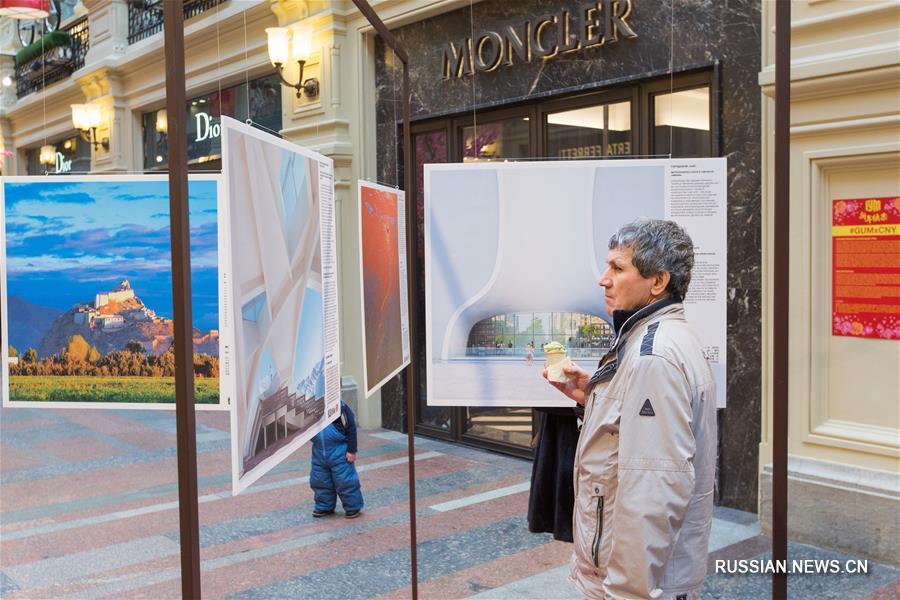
[645, 464]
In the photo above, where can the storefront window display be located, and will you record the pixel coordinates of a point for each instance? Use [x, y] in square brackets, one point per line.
[507, 138]
[590, 132]
[260, 101]
[681, 121]
[73, 155]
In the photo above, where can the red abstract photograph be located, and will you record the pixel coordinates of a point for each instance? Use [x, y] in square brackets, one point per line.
[381, 284]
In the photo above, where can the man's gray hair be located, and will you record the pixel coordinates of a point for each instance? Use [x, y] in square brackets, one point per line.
[658, 247]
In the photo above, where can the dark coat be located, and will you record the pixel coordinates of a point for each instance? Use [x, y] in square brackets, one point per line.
[552, 496]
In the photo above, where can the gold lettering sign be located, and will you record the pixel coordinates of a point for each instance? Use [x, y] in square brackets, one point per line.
[592, 25]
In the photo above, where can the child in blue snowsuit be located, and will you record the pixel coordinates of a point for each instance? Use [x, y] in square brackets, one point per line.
[333, 455]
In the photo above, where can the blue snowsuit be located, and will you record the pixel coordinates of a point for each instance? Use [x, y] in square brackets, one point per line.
[331, 472]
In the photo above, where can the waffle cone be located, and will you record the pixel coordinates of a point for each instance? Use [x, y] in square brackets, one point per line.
[556, 361]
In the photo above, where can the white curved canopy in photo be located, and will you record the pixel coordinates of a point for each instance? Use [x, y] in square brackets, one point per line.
[506, 238]
[524, 237]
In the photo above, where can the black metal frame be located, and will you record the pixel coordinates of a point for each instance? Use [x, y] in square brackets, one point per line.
[412, 375]
[45, 69]
[782, 281]
[90, 136]
[185, 418]
[310, 87]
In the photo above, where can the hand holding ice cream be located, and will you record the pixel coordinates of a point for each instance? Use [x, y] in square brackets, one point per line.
[556, 361]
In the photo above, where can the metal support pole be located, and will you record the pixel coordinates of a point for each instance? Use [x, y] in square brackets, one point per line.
[412, 375]
[781, 320]
[173, 15]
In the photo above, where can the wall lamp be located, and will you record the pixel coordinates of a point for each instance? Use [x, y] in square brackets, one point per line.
[162, 121]
[86, 118]
[292, 43]
[48, 155]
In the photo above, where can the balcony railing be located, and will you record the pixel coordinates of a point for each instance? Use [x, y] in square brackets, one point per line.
[55, 63]
[145, 17]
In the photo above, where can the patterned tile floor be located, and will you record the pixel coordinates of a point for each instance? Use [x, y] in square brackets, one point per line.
[88, 509]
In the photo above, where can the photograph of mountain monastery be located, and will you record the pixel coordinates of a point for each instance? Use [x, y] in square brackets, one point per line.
[90, 291]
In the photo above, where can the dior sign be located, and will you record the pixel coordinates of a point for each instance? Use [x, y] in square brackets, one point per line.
[206, 127]
[63, 165]
[591, 25]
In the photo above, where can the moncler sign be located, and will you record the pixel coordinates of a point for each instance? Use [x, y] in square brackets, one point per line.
[591, 25]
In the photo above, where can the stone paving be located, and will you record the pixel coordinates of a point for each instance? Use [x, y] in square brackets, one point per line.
[88, 509]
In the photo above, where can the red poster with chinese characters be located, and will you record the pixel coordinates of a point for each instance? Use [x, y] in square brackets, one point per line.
[865, 263]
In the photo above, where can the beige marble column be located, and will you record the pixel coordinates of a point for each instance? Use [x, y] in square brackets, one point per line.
[104, 87]
[108, 25]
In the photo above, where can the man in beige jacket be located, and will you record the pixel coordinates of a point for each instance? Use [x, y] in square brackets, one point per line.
[645, 463]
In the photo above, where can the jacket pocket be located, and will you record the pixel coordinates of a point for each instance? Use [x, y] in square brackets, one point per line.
[598, 532]
[590, 502]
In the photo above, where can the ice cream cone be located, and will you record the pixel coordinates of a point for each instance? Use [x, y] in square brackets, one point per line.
[556, 361]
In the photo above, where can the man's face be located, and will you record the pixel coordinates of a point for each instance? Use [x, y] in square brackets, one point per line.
[626, 288]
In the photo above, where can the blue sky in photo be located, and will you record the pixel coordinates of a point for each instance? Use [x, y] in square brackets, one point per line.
[67, 241]
[310, 343]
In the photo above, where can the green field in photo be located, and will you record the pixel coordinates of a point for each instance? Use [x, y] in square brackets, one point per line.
[138, 390]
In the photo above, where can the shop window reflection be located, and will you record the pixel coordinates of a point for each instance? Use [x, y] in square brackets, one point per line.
[73, 155]
[204, 143]
[508, 138]
[506, 425]
[681, 123]
[590, 132]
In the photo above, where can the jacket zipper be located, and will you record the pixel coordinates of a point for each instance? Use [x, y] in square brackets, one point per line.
[598, 533]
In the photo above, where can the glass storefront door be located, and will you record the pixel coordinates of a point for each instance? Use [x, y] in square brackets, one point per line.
[498, 139]
[430, 147]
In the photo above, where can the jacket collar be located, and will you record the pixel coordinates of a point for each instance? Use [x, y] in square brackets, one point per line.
[628, 319]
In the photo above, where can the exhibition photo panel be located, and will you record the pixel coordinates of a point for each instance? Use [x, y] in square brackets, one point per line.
[86, 277]
[278, 297]
[383, 283]
[514, 253]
